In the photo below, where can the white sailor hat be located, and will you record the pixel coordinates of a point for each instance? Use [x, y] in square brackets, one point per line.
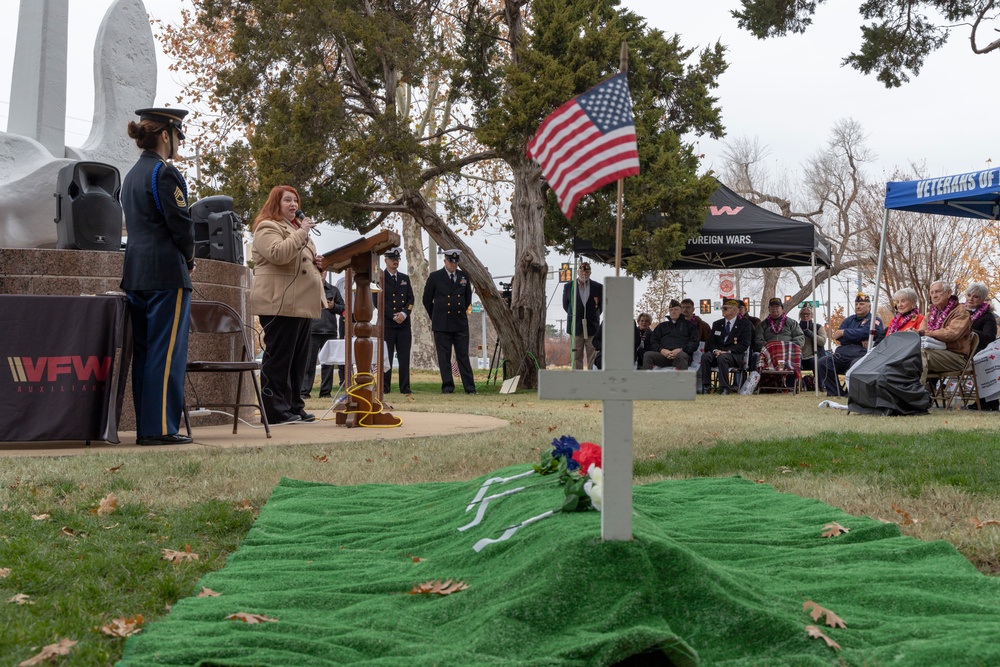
[452, 255]
[393, 253]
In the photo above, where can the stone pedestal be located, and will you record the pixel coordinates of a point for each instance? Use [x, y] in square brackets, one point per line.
[71, 272]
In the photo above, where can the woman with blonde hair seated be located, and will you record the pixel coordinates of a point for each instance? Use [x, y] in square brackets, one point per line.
[907, 317]
[984, 323]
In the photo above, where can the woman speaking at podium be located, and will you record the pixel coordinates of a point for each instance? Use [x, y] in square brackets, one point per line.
[287, 295]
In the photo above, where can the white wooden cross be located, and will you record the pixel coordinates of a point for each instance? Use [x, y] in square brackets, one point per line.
[617, 386]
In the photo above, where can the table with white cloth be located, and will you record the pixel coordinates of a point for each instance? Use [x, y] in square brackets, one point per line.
[332, 353]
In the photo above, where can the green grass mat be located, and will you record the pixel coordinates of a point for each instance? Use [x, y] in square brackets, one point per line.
[717, 575]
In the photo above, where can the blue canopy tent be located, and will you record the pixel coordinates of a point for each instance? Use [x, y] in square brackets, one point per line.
[972, 195]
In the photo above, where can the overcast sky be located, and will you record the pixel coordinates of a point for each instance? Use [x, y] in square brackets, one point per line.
[785, 92]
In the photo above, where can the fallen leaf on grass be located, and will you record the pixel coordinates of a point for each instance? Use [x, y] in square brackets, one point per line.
[784, 470]
[250, 619]
[760, 481]
[244, 505]
[111, 527]
[816, 633]
[438, 587]
[179, 556]
[69, 532]
[834, 529]
[207, 593]
[416, 559]
[123, 627]
[39, 517]
[108, 504]
[49, 652]
[818, 612]
[320, 459]
[907, 519]
[4, 572]
[115, 469]
[21, 598]
[552, 428]
[979, 524]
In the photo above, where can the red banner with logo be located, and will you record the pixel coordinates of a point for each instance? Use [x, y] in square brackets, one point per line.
[60, 377]
[727, 285]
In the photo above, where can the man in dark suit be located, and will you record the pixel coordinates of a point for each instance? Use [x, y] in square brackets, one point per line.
[589, 305]
[447, 297]
[730, 340]
[323, 328]
[397, 297]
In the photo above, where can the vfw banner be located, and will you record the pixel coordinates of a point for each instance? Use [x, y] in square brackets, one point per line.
[727, 285]
[987, 364]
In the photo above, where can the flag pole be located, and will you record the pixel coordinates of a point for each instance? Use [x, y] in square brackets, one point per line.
[623, 66]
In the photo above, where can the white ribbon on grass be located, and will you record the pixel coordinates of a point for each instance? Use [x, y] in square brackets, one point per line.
[485, 542]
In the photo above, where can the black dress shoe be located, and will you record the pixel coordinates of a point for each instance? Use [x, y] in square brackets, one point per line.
[175, 439]
[472, 393]
[307, 417]
[285, 419]
[326, 395]
[447, 391]
[724, 392]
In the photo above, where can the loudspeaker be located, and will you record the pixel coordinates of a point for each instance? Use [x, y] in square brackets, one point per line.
[217, 230]
[88, 213]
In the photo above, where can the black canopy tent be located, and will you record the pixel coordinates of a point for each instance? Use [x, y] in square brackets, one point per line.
[737, 234]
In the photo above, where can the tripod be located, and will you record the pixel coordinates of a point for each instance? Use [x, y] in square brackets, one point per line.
[494, 372]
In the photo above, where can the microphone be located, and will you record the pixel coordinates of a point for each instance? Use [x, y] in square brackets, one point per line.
[299, 215]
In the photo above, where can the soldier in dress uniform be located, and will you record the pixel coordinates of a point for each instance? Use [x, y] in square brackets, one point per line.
[397, 297]
[159, 258]
[447, 297]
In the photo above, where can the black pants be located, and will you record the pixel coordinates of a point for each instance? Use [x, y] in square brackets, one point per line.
[399, 341]
[283, 366]
[445, 341]
[316, 343]
[725, 362]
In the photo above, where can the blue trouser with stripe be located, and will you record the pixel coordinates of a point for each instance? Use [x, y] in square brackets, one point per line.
[160, 321]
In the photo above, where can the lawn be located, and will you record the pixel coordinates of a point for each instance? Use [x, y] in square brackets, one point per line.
[81, 568]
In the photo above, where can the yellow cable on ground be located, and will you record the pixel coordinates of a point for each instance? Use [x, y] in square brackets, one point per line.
[358, 384]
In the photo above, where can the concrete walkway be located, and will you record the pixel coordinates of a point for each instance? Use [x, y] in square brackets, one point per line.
[415, 425]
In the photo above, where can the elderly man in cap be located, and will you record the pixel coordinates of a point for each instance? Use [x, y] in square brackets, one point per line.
[674, 341]
[777, 326]
[447, 297]
[156, 278]
[396, 305]
[589, 306]
[727, 347]
[947, 322]
[853, 339]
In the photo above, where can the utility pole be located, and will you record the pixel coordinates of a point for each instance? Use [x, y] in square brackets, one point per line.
[683, 281]
[560, 326]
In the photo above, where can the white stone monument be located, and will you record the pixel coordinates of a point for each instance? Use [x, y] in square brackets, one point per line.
[617, 385]
[33, 149]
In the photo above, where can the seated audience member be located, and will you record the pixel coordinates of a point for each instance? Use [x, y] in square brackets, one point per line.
[907, 317]
[815, 338]
[853, 339]
[949, 323]
[984, 323]
[643, 335]
[672, 343]
[745, 313]
[730, 340]
[704, 328]
[777, 326]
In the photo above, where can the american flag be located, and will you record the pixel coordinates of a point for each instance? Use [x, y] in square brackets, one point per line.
[587, 142]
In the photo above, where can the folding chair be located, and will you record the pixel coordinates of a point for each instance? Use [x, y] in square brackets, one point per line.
[944, 386]
[737, 374]
[214, 318]
[780, 361]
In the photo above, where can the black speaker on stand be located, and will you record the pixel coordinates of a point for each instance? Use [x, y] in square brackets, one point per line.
[88, 213]
[217, 230]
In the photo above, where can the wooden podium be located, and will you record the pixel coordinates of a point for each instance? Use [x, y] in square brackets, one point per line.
[360, 260]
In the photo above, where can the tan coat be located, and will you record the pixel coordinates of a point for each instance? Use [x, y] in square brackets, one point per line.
[286, 281]
[955, 332]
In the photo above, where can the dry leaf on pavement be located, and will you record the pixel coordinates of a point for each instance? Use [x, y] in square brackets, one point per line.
[207, 593]
[834, 529]
[179, 556]
[816, 633]
[250, 619]
[49, 652]
[108, 504]
[818, 612]
[123, 627]
[21, 598]
[438, 587]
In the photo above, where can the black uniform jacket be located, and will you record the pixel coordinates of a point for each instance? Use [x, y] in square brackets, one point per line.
[398, 299]
[326, 323]
[671, 335]
[447, 302]
[160, 249]
[591, 311]
[737, 342]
